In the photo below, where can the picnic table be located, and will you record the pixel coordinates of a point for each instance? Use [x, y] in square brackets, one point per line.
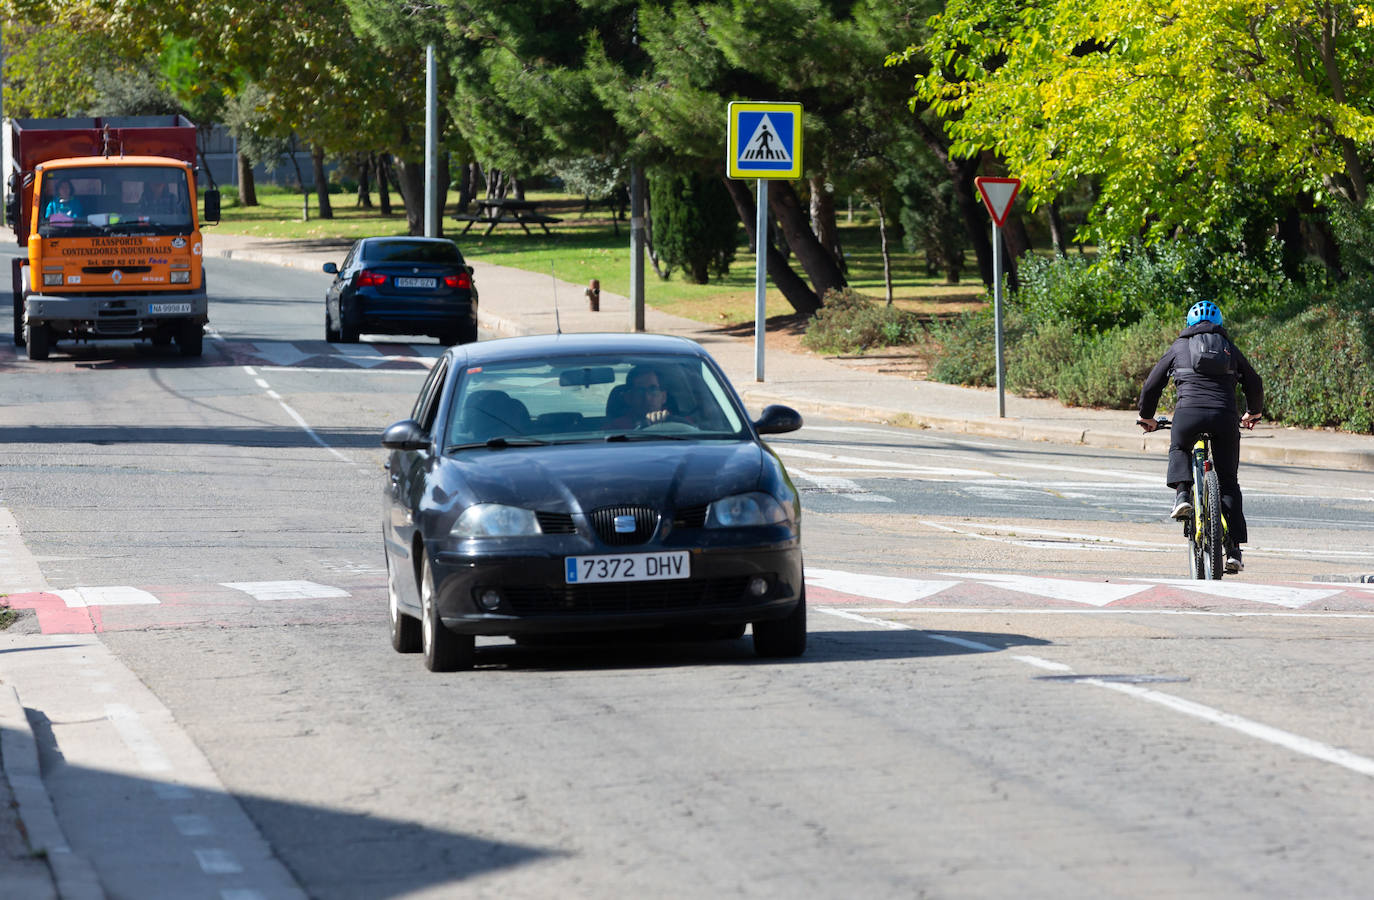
[522, 212]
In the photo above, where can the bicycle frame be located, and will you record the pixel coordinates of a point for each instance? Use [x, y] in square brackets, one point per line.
[1206, 558]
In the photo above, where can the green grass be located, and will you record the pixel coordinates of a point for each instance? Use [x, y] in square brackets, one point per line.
[588, 244]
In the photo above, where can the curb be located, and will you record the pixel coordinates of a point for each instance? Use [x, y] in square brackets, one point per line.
[72, 874]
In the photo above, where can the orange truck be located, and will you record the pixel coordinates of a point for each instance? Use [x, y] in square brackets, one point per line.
[106, 209]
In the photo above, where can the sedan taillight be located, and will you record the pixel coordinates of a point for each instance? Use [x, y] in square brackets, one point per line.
[369, 278]
[462, 281]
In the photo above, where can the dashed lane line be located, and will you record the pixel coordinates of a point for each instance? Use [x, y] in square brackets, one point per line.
[1278, 737]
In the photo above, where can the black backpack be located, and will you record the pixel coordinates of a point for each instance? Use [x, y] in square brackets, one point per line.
[1210, 354]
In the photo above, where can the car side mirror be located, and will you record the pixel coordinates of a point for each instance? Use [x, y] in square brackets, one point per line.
[212, 207]
[778, 419]
[405, 435]
[331, 269]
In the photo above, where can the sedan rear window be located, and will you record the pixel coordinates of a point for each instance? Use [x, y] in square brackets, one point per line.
[412, 251]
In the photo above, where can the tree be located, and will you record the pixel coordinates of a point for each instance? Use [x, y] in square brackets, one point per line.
[1199, 117]
[694, 224]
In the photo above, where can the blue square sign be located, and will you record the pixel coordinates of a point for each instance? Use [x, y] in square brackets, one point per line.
[764, 140]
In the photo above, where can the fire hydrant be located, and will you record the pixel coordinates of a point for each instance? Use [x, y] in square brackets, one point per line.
[594, 295]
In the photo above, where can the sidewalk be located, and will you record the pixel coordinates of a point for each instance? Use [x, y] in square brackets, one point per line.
[514, 302]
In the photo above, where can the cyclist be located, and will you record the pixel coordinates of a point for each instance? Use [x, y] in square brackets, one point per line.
[1205, 371]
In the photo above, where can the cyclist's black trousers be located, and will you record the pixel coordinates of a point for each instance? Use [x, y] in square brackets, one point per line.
[1224, 427]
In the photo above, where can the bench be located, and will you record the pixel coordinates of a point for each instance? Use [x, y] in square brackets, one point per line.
[519, 218]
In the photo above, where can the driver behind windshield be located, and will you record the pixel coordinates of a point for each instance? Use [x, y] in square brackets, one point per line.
[64, 204]
[645, 400]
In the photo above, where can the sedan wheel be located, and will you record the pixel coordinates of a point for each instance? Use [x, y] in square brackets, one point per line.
[405, 630]
[444, 650]
[331, 334]
[785, 637]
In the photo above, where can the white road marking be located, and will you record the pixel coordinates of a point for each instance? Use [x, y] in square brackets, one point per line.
[1068, 535]
[137, 738]
[879, 587]
[217, 862]
[279, 354]
[193, 825]
[106, 596]
[241, 894]
[1286, 739]
[295, 416]
[1089, 592]
[881, 623]
[1096, 545]
[1275, 594]
[286, 590]
[841, 486]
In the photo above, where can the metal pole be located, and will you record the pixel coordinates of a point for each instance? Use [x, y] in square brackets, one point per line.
[636, 248]
[997, 314]
[431, 145]
[760, 277]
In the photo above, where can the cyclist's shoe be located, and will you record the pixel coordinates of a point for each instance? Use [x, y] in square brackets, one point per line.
[1234, 564]
[1183, 504]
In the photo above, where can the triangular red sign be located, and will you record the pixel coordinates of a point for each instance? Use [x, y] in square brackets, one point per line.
[998, 194]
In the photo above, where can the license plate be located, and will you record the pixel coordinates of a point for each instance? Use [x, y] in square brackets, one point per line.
[156, 308]
[416, 282]
[627, 567]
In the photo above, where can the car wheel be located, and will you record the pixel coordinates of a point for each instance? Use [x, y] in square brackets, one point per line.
[348, 335]
[405, 630]
[39, 339]
[191, 338]
[331, 334]
[444, 650]
[784, 637]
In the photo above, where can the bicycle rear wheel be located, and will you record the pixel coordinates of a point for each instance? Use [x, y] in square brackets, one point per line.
[1214, 544]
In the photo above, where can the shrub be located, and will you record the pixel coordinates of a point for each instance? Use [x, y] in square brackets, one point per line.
[1316, 367]
[695, 224]
[1111, 366]
[849, 322]
[966, 348]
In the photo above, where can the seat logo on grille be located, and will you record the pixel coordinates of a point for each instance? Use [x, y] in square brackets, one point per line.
[624, 524]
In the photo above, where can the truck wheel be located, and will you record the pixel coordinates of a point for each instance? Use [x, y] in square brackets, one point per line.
[18, 319]
[40, 341]
[191, 338]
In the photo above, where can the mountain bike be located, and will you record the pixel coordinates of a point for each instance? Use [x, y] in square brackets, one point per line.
[1206, 529]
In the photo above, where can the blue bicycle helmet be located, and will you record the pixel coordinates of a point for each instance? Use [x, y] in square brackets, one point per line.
[1204, 311]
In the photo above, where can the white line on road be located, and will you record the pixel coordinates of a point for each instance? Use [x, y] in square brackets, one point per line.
[1013, 611]
[1277, 736]
[137, 738]
[841, 486]
[217, 862]
[299, 420]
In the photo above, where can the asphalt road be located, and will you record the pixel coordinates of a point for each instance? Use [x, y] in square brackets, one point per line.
[946, 746]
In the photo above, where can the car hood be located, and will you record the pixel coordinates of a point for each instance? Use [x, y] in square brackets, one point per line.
[583, 477]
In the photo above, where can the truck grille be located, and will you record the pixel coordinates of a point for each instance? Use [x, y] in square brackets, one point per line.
[117, 321]
[106, 270]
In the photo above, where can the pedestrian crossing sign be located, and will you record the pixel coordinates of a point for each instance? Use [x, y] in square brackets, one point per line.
[764, 140]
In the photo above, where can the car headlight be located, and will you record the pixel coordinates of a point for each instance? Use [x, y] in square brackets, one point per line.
[495, 520]
[742, 510]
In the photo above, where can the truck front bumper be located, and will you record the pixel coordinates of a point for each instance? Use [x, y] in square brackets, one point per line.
[116, 315]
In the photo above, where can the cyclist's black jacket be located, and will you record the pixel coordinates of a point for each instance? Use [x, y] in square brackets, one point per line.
[1198, 391]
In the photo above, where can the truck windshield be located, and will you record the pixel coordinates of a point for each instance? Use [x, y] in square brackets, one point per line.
[114, 200]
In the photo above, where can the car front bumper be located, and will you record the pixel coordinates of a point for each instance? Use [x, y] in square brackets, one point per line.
[536, 600]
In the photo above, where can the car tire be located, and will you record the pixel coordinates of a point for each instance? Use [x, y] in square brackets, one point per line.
[785, 637]
[405, 630]
[348, 335]
[331, 334]
[444, 650]
[191, 338]
[39, 340]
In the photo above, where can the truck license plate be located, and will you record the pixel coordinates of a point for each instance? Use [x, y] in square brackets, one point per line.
[627, 567]
[156, 308]
[415, 282]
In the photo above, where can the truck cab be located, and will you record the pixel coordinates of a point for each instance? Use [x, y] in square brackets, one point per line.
[113, 239]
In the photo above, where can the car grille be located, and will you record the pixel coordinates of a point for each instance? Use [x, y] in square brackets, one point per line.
[645, 520]
[627, 597]
[555, 523]
[691, 516]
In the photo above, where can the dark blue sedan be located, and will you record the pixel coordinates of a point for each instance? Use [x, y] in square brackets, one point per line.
[401, 285]
[571, 483]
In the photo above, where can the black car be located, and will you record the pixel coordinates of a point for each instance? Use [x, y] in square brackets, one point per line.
[401, 285]
[587, 482]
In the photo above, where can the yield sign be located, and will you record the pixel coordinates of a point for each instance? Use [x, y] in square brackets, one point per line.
[998, 194]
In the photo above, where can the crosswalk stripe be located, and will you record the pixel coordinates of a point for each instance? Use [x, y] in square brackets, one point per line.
[879, 587]
[286, 590]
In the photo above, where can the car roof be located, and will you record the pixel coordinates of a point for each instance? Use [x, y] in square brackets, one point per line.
[402, 239]
[543, 346]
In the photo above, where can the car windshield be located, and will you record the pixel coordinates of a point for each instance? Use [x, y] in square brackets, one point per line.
[114, 200]
[412, 251]
[577, 399]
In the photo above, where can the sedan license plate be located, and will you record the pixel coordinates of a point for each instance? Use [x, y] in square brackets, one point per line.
[402, 282]
[166, 308]
[627, 567]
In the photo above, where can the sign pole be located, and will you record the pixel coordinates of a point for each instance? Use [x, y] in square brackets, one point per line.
[760, 276]
[997, 314]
